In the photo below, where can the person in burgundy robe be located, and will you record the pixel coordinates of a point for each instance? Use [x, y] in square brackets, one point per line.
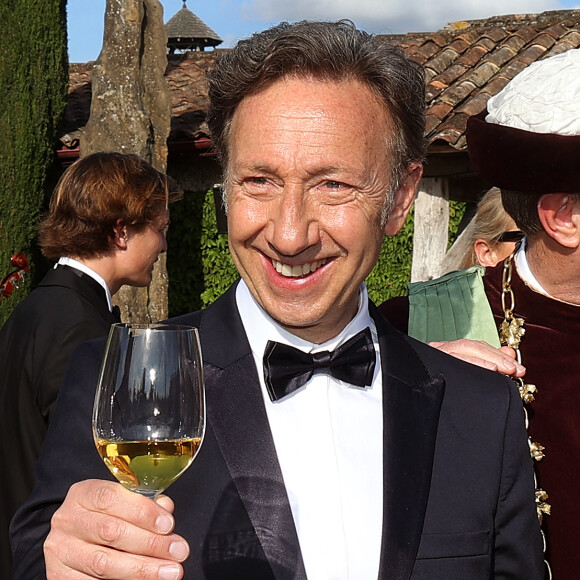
[528, 144]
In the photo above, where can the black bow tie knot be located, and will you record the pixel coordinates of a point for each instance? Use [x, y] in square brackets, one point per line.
[287, 368]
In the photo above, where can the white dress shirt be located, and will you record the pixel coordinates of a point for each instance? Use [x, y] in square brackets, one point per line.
[66, 261]
[524, 270]
[328, 437]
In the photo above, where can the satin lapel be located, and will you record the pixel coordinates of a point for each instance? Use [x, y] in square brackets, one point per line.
[411, 404]
[237, 415]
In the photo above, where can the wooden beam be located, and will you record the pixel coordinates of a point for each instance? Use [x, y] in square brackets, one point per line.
[431, 227]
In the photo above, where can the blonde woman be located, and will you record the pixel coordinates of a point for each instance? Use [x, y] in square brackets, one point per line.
[489, 238]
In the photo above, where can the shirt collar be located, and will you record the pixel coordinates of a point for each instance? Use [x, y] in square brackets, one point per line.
[524, 270]
[261, 327]
[72, 263]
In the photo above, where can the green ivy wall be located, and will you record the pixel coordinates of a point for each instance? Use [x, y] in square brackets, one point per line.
[33, 84]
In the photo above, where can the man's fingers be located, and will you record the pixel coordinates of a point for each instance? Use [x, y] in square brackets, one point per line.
[89, 540]
[82, 561]
[166, 503]
[482, 354]
[144, 528]
[106, 497]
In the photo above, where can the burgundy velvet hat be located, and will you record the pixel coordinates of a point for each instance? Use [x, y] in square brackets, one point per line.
[528, 139]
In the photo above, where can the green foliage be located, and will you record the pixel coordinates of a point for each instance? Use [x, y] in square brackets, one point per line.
[199, 264]
[218, 267]
[184, 262]
[456, 211]
[392, 274]
[33, 82]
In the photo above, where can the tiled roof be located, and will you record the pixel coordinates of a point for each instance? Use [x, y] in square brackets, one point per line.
[465, 64]
[468, 62]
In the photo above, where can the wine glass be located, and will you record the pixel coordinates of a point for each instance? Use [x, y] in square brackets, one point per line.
[149, 411]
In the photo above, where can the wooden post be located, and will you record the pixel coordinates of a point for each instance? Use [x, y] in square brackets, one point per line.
[431, 227]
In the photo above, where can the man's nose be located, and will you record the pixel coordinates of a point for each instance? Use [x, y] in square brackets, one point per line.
[293, 225]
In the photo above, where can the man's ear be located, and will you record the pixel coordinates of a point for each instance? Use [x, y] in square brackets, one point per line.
[403, 199]
[560, 217]
[120, 235]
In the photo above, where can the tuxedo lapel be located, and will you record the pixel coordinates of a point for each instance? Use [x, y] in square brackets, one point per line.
[238, 418]
[411, 404]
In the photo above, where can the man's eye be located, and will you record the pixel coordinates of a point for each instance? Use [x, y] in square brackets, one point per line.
[257, 180]
[335, 185]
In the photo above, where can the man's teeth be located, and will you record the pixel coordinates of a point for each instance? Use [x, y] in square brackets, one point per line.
[297, 271]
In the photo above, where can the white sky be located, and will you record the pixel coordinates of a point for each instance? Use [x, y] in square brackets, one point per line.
[234, 19]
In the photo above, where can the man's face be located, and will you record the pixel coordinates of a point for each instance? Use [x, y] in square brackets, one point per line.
[143, 249]
[308, 175]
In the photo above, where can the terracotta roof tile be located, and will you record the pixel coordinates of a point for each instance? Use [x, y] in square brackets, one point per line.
[465, 64]
[440, 37]
[474, 105]
[545, 40]
[482, 73]
[432, 122]
[468, 34]
[472, 55]
[452, 73]
[442, 61]
[501, 56]
[531, 53]
[433, 89]
[512, 69]
[571, 40]
[428, 49]
[486, 42]
[457, 93]
[459, 45]
[514, 42]
[496, 85]
[556, 30]
[440, 110]
[526, 33]
[495, 34]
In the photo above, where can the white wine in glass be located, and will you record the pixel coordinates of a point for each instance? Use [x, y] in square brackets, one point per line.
[149, 412]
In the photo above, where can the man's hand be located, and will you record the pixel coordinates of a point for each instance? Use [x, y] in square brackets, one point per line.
[104, 531]
[482, 354]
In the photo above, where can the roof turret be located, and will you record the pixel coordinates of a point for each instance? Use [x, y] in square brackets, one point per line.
[185, 31]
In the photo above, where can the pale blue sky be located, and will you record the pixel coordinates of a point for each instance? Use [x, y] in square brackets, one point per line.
[234, 19]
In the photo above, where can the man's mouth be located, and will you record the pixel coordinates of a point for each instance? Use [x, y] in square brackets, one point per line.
[297, 271]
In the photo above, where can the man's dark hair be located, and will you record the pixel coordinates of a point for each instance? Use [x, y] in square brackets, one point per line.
[328, 51]
[92, 196]
[522, 207]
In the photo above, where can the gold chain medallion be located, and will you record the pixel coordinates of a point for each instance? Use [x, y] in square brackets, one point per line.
[511, 331]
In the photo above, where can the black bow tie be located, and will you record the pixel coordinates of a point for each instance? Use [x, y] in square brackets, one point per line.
[286, 368]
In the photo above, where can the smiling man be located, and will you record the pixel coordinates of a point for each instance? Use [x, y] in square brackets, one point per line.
[335, 446]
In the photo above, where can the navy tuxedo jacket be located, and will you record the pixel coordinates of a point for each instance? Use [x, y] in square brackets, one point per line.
[458, 482]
